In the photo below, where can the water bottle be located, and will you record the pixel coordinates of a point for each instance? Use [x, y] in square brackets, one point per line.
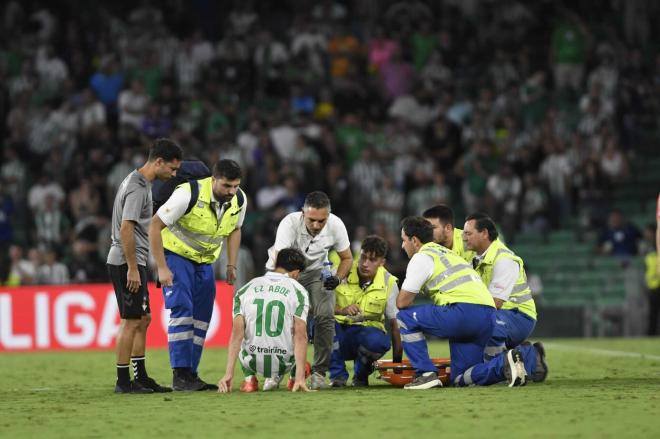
[326, 271]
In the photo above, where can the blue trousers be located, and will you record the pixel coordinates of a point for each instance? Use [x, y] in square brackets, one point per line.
[363, 344]
[510, 328]
[467, 326]
[190, 301]
[492, 371]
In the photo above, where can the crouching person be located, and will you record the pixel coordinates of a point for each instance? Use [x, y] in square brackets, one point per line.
[269, 332]
[365, 303]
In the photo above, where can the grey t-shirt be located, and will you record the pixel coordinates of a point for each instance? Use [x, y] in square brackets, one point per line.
[132, 203]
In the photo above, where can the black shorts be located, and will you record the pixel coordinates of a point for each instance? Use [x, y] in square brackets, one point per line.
[131, 305]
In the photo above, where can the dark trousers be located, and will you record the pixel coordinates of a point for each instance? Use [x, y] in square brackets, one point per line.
[654, 311]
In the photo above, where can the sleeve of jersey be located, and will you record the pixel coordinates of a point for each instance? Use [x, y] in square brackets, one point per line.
[237, 309]
[505, 274]
[657, 213]
[302, 302]
[391, 309]
[175, 206]
[133, 202]
[420, 268]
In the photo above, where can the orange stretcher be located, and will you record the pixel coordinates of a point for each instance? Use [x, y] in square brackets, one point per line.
[400, 374]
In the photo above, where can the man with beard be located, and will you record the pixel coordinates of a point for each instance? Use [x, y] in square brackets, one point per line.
[185, 244]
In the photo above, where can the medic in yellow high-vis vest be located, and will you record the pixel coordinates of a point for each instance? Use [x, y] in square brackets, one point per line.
[503, 272]
[441, 218]
[364, 304]
[185, 245]
[461, 312]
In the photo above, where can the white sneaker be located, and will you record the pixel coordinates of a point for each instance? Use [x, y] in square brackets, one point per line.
[317, 382]
[272, 383]
[514, 368]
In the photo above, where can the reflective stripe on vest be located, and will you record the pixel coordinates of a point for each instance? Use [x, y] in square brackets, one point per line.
[521, 295]
[198, 235]
[372, 300]
[453, 281]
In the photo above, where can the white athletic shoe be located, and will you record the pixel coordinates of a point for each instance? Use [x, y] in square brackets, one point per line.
[317, 382]
[272, 383]
[514, 368]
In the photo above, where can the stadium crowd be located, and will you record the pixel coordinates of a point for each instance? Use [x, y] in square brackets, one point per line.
[529, 111]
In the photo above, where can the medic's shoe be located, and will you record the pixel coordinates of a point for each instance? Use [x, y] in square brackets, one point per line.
[150, 383]
[514, 368]
[272, 383]
[541, 371]
[250, 384]
[427, 380]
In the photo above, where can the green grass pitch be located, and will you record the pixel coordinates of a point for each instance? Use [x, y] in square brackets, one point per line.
[597, 388]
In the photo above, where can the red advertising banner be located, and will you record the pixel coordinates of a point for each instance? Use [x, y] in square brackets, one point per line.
[85, 316]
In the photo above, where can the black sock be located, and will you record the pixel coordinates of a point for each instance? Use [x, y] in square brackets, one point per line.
[139, 369]
[123, 374]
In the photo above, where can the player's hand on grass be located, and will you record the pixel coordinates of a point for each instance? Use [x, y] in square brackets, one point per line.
[165, 276]
[224, 385]
[133, 281]
[300, 386]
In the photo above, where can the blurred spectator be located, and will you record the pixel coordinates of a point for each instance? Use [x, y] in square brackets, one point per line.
[652, 278]
[22, 271]
[613, 163]
[52, 272]
[6, 212]
[619, 238]
[503, 191]
[569, 51]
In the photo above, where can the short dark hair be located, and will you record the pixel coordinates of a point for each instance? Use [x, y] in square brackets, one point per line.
[483, 221]
[441, 212]
[419, 227]
[165, 149]
[228, 169]
[376, 245]
[317, 200]
[290, 259]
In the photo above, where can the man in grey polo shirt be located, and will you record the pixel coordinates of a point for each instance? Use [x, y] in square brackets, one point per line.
[127, 263]
[315, 231]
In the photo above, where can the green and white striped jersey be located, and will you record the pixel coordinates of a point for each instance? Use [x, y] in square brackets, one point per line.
[269, 305]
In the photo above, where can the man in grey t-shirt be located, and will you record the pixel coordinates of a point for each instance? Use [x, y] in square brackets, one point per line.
[127, 263]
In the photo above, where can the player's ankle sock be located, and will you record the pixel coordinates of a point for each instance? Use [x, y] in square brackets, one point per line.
[123, 374]
[139, 369]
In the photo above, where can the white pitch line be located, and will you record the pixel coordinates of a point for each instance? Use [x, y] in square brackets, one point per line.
[606, 352]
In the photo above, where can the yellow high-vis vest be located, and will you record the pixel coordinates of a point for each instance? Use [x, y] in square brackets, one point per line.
[651, 273]
[521, 295]
[453, 280]
[372, 301]
[198, 235]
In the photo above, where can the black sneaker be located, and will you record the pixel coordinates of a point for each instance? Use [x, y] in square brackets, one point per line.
[150, 383]
[427, 380]
[514, 368]
[206, 386]
[132, 387]
[360, 383]
[184, 381]
[541, 371]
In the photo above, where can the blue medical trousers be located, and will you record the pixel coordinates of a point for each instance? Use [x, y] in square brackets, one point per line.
[363, 344]
[510, 328]
[190, 301]
[468, 328]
